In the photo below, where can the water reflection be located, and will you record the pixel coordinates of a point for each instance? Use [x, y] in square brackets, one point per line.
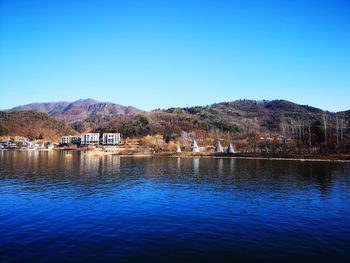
[195, 164]
[112, 208]
[178, 160]
[232, 165]
[30, 166]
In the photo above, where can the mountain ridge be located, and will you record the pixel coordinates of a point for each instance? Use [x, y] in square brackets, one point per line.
[77, 110]
[48, 106]
[241, 120]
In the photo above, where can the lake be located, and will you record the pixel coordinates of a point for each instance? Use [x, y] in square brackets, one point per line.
[72, 206]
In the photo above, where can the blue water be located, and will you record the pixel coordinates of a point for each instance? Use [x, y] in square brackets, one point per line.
[64, 206]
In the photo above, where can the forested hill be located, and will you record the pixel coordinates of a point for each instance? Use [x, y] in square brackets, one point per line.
[259, 116]
[240, 119]
[33, 125]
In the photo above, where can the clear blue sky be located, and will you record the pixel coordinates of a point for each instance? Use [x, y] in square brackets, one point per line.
[159, 54]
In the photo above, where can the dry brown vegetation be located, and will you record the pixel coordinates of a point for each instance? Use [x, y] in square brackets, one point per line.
[33, 125]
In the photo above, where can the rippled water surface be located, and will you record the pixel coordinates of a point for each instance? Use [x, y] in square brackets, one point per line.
[64, 206]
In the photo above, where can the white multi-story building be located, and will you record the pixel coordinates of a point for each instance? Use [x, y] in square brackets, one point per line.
[111, 138]
[65, 139]
[89, 138]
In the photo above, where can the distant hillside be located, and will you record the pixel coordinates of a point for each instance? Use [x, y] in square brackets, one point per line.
[242, 120]
[32, 125]
[238, 120]
[170, 124]
[241, 116]
[78, 110]
[42, 107]
[258, 116]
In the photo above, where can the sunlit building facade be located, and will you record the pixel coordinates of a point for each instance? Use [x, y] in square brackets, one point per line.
[90, 138]
[111, 138]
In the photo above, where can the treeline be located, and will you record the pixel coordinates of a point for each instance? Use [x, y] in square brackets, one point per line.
[325, 134]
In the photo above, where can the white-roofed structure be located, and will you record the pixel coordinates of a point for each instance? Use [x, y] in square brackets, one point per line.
[178, 149]
[230, 149]
[218, 148]
[195, 147]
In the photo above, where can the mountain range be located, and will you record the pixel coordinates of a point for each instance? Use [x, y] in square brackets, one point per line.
[237, 119]
[77, 110]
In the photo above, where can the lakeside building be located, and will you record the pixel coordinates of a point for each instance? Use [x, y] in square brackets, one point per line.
[230, 149]
[19, 142]
[70, 139]
[218, 148]
[178, 149]
[90, 138]
[65, 140]
[195, 147]
[76, 140]
[111, 138]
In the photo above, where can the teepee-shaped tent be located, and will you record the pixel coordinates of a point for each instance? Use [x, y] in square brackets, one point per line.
[218, 148]
[178, 149]
[230, 149]
[195, 147]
